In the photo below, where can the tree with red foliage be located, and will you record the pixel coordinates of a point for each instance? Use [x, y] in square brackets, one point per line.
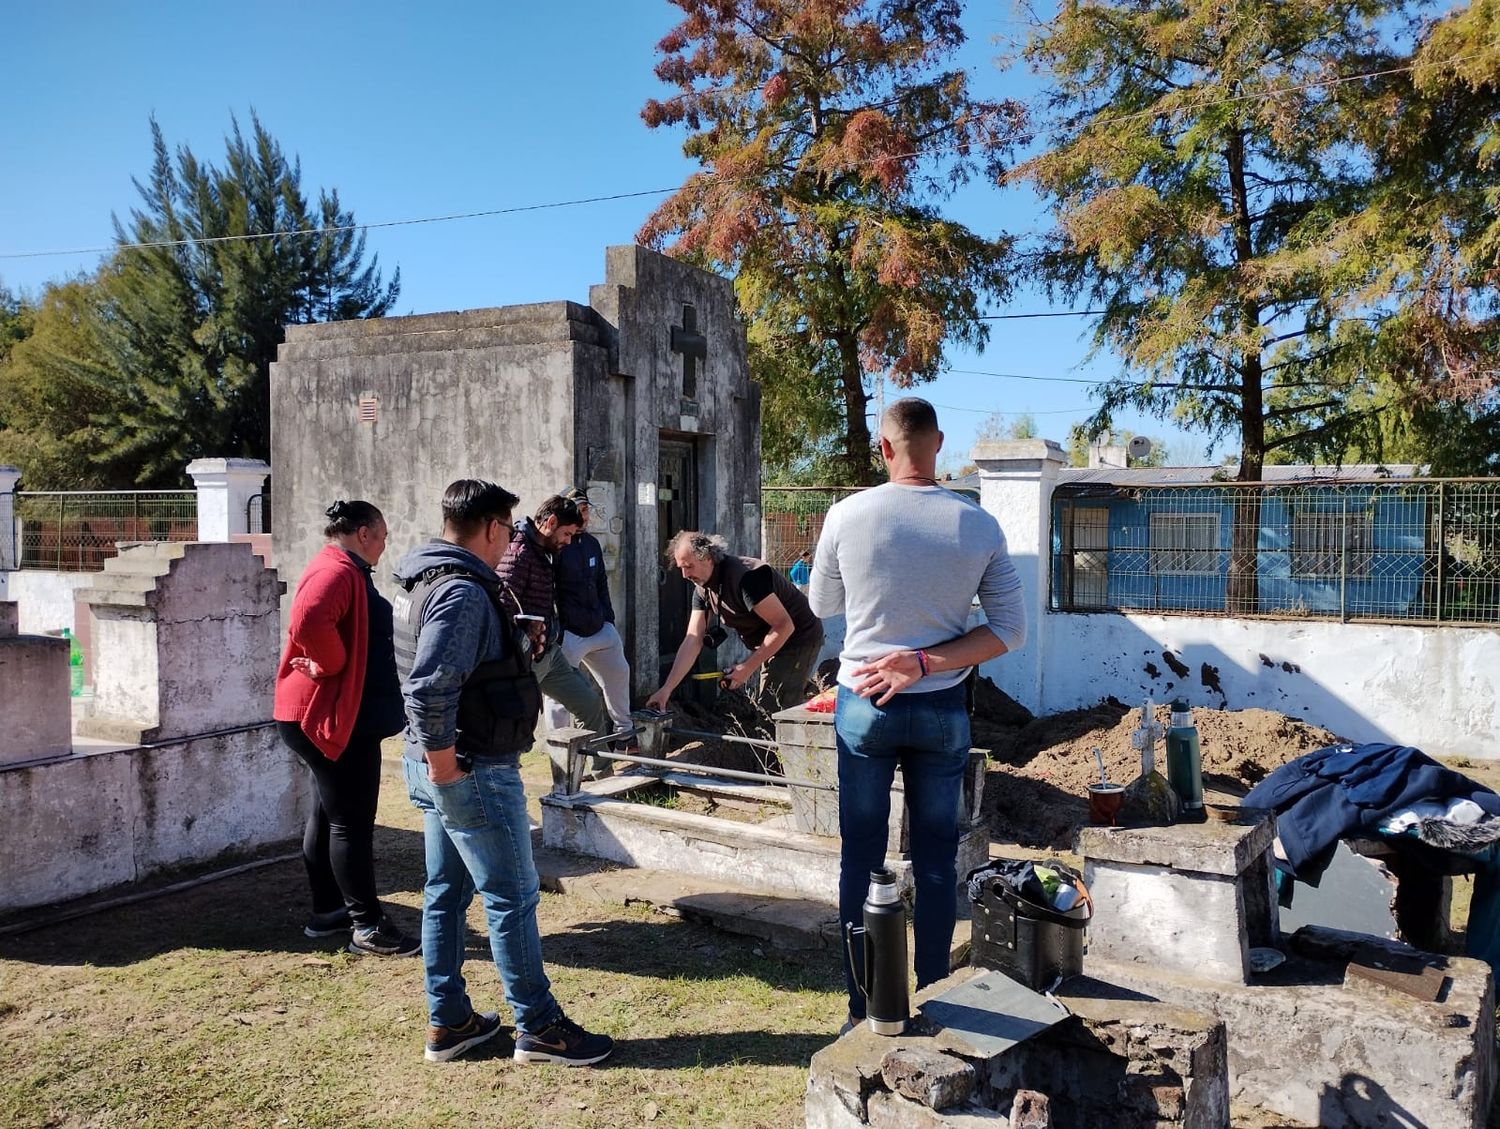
[827, 131]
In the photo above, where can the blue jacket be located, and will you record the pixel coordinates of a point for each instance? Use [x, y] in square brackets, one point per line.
[460, 630]
[583, 587]
[1325, 795]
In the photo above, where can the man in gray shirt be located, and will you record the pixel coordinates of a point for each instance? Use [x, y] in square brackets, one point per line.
[903, 562]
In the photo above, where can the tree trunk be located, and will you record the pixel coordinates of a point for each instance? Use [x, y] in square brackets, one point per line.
[859, 467]
[1242, 592]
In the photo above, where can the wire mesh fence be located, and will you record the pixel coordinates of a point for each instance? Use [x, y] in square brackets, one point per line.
[77, 531]
[792, 520]
[1393, 550]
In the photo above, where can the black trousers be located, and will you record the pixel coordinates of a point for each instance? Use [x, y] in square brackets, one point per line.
[338, 843]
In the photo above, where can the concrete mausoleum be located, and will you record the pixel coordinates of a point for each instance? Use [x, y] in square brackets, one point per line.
[643, 396]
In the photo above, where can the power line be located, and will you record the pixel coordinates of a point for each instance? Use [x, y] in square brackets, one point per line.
[337, 229]
[555, 204]
[1041, 314]
[1042, 379]
[992, 412]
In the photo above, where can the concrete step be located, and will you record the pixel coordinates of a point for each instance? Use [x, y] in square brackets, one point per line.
[784, 922]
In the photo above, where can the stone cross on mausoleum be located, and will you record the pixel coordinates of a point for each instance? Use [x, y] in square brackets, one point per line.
[693, 346]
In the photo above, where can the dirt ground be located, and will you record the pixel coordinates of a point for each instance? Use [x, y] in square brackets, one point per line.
[1037, 786]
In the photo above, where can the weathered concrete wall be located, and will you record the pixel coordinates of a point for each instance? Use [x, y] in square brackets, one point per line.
[185, 636]
[1306, 1046]
[537, 397]
[478, 394]
[1113, 1061]
[99, 819]
[34, 690]
[1434, 687]
[642, 298]
[1016, 480]
[47, 600]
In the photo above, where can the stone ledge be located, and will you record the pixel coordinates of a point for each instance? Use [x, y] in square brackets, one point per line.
[1207, 848]
[1305, 1048]
[1117, 1061]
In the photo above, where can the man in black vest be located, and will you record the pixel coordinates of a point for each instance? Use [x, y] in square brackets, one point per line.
[771, 616]
[471, 708]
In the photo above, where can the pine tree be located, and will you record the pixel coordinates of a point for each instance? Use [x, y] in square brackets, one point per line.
[211, 268]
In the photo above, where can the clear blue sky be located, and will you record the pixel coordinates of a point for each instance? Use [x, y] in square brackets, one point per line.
[413, 111]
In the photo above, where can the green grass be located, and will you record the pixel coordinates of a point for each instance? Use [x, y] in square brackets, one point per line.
[210, 1007]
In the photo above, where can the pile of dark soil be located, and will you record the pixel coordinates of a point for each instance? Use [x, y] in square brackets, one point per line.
[1037, 787]
[1040, 767]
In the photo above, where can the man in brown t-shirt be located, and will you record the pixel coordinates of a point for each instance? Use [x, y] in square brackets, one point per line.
[770, 615]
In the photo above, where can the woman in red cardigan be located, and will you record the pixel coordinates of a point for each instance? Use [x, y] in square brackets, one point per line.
[337, 697]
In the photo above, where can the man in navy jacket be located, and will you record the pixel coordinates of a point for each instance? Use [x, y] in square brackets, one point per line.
[589, 637]
[529, 569]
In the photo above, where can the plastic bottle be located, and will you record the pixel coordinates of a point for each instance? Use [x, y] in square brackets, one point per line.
[1185, 761]
[75, 663]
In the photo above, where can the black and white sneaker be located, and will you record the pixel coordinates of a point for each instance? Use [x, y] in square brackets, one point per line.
[565, 1042]
[384, 940]
[444, 1043]
[329, 924]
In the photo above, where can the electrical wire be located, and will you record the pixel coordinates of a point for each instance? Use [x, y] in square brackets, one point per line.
[549, 205]
[339, 228]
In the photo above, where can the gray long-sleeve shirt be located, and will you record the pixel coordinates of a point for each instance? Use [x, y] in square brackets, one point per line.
[903, 564]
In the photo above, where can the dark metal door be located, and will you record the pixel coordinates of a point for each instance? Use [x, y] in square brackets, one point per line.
[676, 508]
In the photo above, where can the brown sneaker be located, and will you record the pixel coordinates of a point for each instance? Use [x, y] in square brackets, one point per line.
[444, 1043]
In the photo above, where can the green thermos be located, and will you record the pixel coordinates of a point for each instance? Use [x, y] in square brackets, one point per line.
[1185, 760]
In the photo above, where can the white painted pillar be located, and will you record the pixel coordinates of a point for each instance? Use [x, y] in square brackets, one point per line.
[225, 487]
[10, 531]
[1016, 478]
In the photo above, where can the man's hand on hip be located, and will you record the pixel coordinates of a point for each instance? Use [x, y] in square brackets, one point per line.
[887, 675]
[442, 766]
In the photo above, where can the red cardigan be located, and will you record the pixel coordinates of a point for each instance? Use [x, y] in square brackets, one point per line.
[330, 624]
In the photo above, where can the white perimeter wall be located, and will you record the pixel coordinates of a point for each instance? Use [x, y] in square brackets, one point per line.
[45, 599]
[1437, 688]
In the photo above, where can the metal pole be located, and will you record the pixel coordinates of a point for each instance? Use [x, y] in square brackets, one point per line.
[62, 506]
[1344, 563]
[1442, 545]
[729, 737]
[709, 770]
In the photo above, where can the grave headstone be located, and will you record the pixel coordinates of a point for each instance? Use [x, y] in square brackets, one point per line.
[34, 687]
[185, 637]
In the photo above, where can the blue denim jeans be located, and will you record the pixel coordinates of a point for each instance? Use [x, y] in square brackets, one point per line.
[927, 735]
[478, 836]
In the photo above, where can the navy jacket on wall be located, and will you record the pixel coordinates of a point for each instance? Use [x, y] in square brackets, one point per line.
[1325, 795]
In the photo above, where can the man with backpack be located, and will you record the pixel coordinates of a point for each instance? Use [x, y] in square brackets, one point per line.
[471, 706]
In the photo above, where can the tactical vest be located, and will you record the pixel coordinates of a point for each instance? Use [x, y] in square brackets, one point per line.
[500, 701]
[727, 601]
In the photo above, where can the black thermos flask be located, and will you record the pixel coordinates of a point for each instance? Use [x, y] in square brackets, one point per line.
[877, 953]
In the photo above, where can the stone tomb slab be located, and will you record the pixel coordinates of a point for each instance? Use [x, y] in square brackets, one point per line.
[1316, 1046]
[34, 687]
[1188, 897]
[1115, 1060]
[602, 821]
